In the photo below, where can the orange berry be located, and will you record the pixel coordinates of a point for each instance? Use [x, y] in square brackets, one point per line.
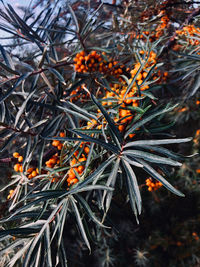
[16, 167]
[59, 147]
[80, 169]
[20, 168]
[82, 53]
[34, 173]
[165, 73]
[30, 176]
[123, 112]
[131, 135]
[73, 162]
[16, 155]
[55, 143]
[20, 159]
[30, 170]
[52, 161]
[62, 134]
[139, 77]
[82, 159]
[121, 128]
[71, 174]
[86, 150]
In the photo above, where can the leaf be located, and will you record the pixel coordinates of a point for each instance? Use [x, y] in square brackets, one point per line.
[157, 142]
[148, 118]
[44, 77]
[81, 110]
[58, 75]
[7, 59]
[52, 127]
[132, 181]
[111, 182]
[196, 86]
[111, 123]
[18, 82]
[151, 157]
[132, 162]
[8, 69]
[158, 177]
[8, 141]
[19, 254]
[76, 114]
[73, 17]
[41, 232]
[109, 147]
[79, 220]
[23, 25]
[22, 108]
[19, 231]
[89, 212]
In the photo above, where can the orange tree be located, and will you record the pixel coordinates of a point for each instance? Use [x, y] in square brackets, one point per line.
[81, 117]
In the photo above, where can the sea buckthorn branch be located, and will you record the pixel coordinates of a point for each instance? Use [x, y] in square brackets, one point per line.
[35, 72]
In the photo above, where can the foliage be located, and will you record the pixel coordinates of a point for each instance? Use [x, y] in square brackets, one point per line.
[81, 108]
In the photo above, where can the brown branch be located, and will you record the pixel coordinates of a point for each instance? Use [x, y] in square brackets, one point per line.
[8, 127]
[15, 77]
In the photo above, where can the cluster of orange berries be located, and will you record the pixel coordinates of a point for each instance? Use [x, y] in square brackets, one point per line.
[77, 165]
[32, 172]
[94, 61]
[159, 31]
[18, 167]
[190, 31]
[78, 94]
[152, 186]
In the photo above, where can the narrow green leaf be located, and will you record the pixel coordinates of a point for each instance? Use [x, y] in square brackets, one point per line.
[157, 142]
[18, 82]
[74, 17]
[109, 147]
[89, 211]
[134, 185]
[79, 221]
[110, 121]
[22, 108]
[158, 177]
[7, 59]
[148, 118]
[151, 157]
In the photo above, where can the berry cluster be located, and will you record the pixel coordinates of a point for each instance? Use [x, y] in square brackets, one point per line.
[152, 186]
[118, 95]
[94, 62]
[190, 31]
[31, 172]
[77, 164]
[18, 167]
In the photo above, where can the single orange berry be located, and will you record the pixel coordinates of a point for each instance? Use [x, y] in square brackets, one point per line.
[16, 167]
[80, 169]
[55, 143]
[62, 134]
[86, 150]
[34, 173]
[16, 155]
[20, 159]
[59, 147]
[30, 170]
[20, 168]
